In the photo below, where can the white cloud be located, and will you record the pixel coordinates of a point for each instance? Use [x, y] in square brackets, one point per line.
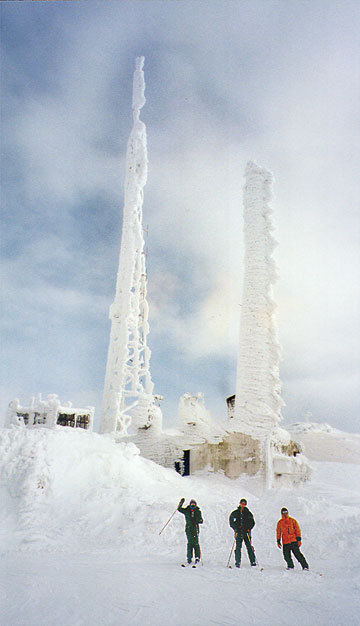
[223, 86]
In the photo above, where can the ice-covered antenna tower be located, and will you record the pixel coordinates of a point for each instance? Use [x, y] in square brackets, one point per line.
[128, 393]
[258, 402]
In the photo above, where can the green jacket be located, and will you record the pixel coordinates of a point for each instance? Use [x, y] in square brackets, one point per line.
[193, 518]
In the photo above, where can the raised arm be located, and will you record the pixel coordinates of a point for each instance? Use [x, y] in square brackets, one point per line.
[180, 506]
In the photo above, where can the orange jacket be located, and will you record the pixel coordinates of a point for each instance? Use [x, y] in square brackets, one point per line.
[289, 529]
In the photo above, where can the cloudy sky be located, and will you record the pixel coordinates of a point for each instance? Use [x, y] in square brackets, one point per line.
[226, 81]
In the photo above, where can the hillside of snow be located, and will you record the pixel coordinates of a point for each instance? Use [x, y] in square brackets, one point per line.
[321, 442]
[80, 544]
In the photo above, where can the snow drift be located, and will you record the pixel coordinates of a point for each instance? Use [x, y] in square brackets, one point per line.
[80, 520]
[70, 490]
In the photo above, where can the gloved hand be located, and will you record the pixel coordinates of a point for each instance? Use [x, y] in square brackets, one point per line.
[298, 539]
[279, 543]
[181, 501]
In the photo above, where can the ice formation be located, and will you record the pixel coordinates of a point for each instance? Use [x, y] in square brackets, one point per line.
[258, 402]
[128, 392]
[196, 421]
[49, 413]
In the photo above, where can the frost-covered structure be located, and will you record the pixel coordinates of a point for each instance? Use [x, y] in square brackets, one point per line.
[185, 448]
[255, 411]
[251, 441]
[258, 401]
[200, 443]
[49, 413]
[128, 392]
[194, 418]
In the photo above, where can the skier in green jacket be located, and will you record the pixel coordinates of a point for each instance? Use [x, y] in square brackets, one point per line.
[193, 518]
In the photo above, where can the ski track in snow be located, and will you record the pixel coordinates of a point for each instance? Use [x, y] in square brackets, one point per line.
[79, 529]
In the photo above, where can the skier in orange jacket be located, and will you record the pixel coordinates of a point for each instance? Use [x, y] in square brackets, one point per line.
[288, 530]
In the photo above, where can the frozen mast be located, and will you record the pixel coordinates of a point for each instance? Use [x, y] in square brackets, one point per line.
[258, 402]
[128, 393]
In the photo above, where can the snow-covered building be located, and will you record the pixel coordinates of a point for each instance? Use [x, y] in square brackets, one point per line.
[49, 413]
[200, 442]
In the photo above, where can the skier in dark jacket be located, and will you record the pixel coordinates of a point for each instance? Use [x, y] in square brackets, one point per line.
[242, 521]
[193, 518]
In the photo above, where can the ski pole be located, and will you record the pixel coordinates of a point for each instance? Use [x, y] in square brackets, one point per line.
[201, 561]
[231, 553]
[170, 518]
[253, 549]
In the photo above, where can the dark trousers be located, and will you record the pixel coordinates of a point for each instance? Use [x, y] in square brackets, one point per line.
[192, 545]
[293, 547]
[250, 550]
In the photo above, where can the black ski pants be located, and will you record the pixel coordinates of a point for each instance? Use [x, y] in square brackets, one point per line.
[192, 545]
[250, 550]
[293, 547]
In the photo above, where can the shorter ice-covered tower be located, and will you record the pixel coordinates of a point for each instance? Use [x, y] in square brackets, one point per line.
[258, 402]
[128, 393]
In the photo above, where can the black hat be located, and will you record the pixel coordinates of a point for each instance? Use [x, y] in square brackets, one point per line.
[284, 510]
[243, 500]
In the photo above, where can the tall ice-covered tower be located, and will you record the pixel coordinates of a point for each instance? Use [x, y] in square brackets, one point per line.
[128, 392]
[258, 402]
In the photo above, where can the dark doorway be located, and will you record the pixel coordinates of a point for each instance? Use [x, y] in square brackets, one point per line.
[182, 466]
[186, 459]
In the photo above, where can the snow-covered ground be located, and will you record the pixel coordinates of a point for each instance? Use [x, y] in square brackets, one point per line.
[80, 519]
[321, 442]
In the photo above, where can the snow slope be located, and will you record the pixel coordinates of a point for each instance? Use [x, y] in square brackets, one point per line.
[80, 521]
[321, 442]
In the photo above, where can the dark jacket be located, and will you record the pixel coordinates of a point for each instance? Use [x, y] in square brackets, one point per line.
[193, 518]
[241, 521]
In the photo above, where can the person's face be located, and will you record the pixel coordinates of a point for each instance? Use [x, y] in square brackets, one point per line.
[285, 514]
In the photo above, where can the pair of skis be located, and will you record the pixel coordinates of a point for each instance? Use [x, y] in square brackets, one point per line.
[260, 569]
